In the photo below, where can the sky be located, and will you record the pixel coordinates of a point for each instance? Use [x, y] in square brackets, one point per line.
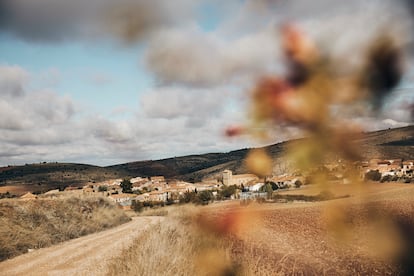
[105, 82]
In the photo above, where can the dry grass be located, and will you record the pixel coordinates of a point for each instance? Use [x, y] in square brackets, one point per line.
[351, 236]
[40, 223]
[175, 247]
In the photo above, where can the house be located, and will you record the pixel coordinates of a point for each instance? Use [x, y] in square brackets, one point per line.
[139, 182]
[138, 179]
[285, 181]
[253, 187]
[157, 179]
[206, 186]
[237, 179]
[161, 196]
[391, 167]
[123, 200]
[252, 195]
[408, 167]
[143, 197]
[181, 187]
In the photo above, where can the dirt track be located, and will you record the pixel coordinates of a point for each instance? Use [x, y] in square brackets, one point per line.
[87, 255]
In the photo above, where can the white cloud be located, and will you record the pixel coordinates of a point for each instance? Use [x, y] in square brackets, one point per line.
[173, 102]
[42, 125]
[54, 20]
[191, 57]
[12, 81]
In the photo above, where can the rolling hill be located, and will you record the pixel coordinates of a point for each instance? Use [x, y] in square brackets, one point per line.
[387, 144]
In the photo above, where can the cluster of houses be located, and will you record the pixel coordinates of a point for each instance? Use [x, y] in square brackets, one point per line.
[145, 189]
[158, 189]
[391, 167]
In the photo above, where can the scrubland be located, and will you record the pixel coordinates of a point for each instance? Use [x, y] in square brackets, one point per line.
[40, 223]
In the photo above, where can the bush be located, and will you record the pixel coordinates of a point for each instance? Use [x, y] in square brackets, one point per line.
[187, 197]
[267, 188]
[103, 188]
[228, 191]
[386, 178]
[205, 197]
[137, 206]
[273, 184]
[373, 175]
[126, 186]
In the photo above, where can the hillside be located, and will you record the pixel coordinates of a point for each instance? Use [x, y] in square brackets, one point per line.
[390, 143]
[46, 176]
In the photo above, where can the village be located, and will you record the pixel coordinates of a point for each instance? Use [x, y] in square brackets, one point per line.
[158, 189]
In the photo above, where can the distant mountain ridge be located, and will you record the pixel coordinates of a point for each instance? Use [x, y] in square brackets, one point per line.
[385, 144]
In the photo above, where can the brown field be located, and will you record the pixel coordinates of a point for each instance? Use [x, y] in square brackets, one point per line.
[15, 189]
[369, 233]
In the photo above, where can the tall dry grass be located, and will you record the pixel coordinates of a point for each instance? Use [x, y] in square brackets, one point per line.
[182, 244]
[40, 223]
[176, 246]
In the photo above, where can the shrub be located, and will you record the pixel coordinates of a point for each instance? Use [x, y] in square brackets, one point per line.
[187, 197]
[228, 191]
[373, 175]
[137, 206]
[126, 186]
[103, 188]
[274, 185]
[267, 188]
[204, 197]
[298, 183]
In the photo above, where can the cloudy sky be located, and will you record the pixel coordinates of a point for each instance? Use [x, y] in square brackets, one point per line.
[105, 82]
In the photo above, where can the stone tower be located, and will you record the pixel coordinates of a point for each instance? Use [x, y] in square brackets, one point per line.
[227, 177]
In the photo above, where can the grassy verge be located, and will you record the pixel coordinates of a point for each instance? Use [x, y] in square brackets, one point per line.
[188, 242]
[176, 246]
[40, 223]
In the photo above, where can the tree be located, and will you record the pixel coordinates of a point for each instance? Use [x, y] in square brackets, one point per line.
[228, 191]
[386, 178]
[137, 206]
[373, 175]
[126, 186]
[274, 185]
[267, 188]
[187, 197]
[103, 188]
[205, 196]
[298, 183]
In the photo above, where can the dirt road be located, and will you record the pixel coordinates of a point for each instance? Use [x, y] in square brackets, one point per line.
[87, 255]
